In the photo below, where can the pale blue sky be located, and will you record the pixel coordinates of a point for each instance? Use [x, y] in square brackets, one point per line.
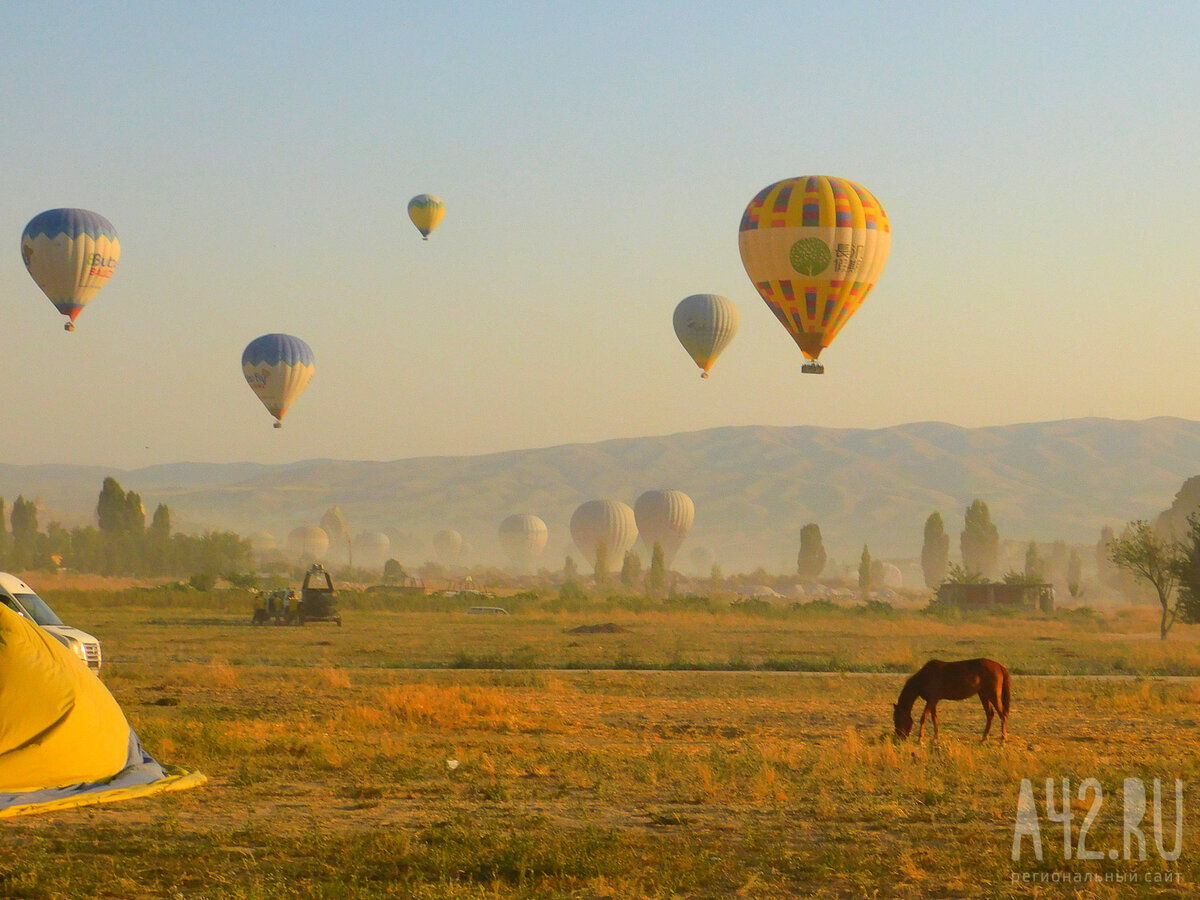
[1037, 161]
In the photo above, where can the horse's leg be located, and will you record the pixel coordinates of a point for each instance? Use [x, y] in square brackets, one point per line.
[933, 715]
[921, 731]
[989, 711]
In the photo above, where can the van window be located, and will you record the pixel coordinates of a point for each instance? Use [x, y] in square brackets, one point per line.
[37, 609]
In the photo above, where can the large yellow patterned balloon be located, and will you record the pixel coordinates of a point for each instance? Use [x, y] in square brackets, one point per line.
[814, 247]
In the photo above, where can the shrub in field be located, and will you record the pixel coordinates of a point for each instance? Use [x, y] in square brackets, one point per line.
[691, 603]
[873, 607]
[753, 606]
[819, 606]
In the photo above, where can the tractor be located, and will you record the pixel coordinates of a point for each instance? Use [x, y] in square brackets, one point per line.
[316, 602]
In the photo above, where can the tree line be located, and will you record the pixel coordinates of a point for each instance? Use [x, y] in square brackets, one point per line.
[121, 543]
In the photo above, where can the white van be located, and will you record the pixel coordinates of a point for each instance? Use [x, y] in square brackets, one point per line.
[20, 597]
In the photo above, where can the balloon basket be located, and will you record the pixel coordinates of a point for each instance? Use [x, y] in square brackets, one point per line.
[70, 326]
[813, 368]
[703, 374]
[278, 425]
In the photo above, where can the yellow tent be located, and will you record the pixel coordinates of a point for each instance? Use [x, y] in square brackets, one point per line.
[64, 741]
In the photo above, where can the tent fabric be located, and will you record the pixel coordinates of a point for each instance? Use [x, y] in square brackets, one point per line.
[64, 741]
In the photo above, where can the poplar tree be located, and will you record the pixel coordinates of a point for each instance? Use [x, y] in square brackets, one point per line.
[935, 553]
[812, 558]
[601, 568]
[1075, 573]
[631, 569]
[656, 577]
[864, 570]
[980, 541]
[1035, 568]
[111, 509]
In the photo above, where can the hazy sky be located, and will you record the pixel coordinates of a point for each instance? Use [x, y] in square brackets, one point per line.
[1037, 162]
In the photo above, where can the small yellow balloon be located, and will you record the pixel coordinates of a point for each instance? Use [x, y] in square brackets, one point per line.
[426, 212]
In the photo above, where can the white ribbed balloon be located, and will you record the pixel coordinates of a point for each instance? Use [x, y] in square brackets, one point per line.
[705, 324]
[607, 523]
[664, 518]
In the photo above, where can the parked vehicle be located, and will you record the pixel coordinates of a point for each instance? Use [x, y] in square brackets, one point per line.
[21, 599]
[317, 602]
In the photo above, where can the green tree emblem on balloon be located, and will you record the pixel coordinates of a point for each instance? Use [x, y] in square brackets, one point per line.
[810, 256]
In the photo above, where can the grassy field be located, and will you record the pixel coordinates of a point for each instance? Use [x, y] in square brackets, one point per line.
[688, 754]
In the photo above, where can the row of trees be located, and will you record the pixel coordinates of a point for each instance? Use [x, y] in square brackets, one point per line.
[979, 544]
[120, 544]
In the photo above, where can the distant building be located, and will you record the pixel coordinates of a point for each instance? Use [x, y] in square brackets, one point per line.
[1030, 597]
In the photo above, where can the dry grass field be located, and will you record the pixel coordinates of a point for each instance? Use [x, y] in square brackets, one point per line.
[438, 755]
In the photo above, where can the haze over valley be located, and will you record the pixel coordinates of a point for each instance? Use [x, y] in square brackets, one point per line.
[753, 487]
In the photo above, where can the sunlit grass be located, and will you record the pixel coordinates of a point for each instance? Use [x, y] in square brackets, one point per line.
[335, 773]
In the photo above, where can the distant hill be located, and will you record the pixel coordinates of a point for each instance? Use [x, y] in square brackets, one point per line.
[754, 487]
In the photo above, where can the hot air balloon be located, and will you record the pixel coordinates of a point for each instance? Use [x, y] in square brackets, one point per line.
[523, 538]
[308, 542]
[71, 254]
[426, 212]
[705, 324]
[664, 518]
[604, 528]
[371, 549]
[814, 247]
[277, 368]
[448, 545]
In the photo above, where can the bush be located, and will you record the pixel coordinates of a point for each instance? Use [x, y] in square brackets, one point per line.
[752, 606]
[202, 581]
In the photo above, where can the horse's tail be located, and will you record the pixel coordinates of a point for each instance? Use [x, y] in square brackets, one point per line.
[1005, 692]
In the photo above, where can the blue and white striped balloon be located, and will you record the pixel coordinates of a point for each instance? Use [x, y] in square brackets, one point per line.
[277, 368]
[71, 254]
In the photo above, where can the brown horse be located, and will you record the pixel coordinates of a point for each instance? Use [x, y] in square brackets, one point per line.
[959, 680]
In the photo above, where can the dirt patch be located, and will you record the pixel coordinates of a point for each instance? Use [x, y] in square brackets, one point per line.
[606, 628]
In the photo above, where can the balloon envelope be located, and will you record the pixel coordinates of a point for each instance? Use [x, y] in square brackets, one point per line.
[607, 524]
[426, 212]
[523, 538]
[277, 368]
[448, 545]
[814, 247]
[664, 518]
[371, 549]
[705, 324]
[308, 542]
[71, 254]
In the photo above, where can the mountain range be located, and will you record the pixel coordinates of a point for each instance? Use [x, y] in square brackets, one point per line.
[754, 487]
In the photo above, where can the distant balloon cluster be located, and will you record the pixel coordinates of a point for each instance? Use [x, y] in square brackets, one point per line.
[605, 530]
